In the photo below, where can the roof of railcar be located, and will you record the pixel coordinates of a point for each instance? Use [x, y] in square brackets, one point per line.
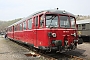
[44, 11]
[83, 21]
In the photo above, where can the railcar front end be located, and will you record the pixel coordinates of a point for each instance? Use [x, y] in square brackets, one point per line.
[61, 32]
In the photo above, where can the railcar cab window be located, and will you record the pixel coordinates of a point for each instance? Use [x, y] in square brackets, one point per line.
[72, 20]
[41, 21]
[51, 20]
[24, 25]
[64, 22]
[36, 21]
[29, 23]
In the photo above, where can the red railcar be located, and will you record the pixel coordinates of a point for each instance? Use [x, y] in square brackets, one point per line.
[46, 30]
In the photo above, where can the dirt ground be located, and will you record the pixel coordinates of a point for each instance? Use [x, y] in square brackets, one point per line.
[12, 51]
[83, 51]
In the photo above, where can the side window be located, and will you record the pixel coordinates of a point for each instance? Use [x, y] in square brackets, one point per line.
[79, 25]
[24, 25]
[36, 21]
[72, 22]
[10, 29]
[30, 24]
[7, 29]
[41, 21]
[83, 26]
[21, 27]
[14, 28]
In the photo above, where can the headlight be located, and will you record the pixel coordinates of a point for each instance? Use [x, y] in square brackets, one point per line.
[50, 34]
[75, 40]
[74, 34]
[54, 34]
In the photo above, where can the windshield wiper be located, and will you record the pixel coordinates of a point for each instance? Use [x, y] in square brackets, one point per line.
[51, 26]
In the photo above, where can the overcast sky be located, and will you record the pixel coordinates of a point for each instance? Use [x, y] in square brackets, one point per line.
[13, 9]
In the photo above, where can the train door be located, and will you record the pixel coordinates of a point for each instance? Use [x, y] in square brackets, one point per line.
[35, 30]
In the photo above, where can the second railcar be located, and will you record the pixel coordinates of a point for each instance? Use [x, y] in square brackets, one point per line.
[83, 27]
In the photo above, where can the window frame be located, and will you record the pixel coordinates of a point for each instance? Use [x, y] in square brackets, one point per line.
[74, 22]
[83, 26]
[28, 21]
[20, 27]
[24, 25]
[40, 21]
[36, 22]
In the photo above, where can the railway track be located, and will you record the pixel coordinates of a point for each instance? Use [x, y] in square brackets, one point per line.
[54, 56]
[49, 55]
